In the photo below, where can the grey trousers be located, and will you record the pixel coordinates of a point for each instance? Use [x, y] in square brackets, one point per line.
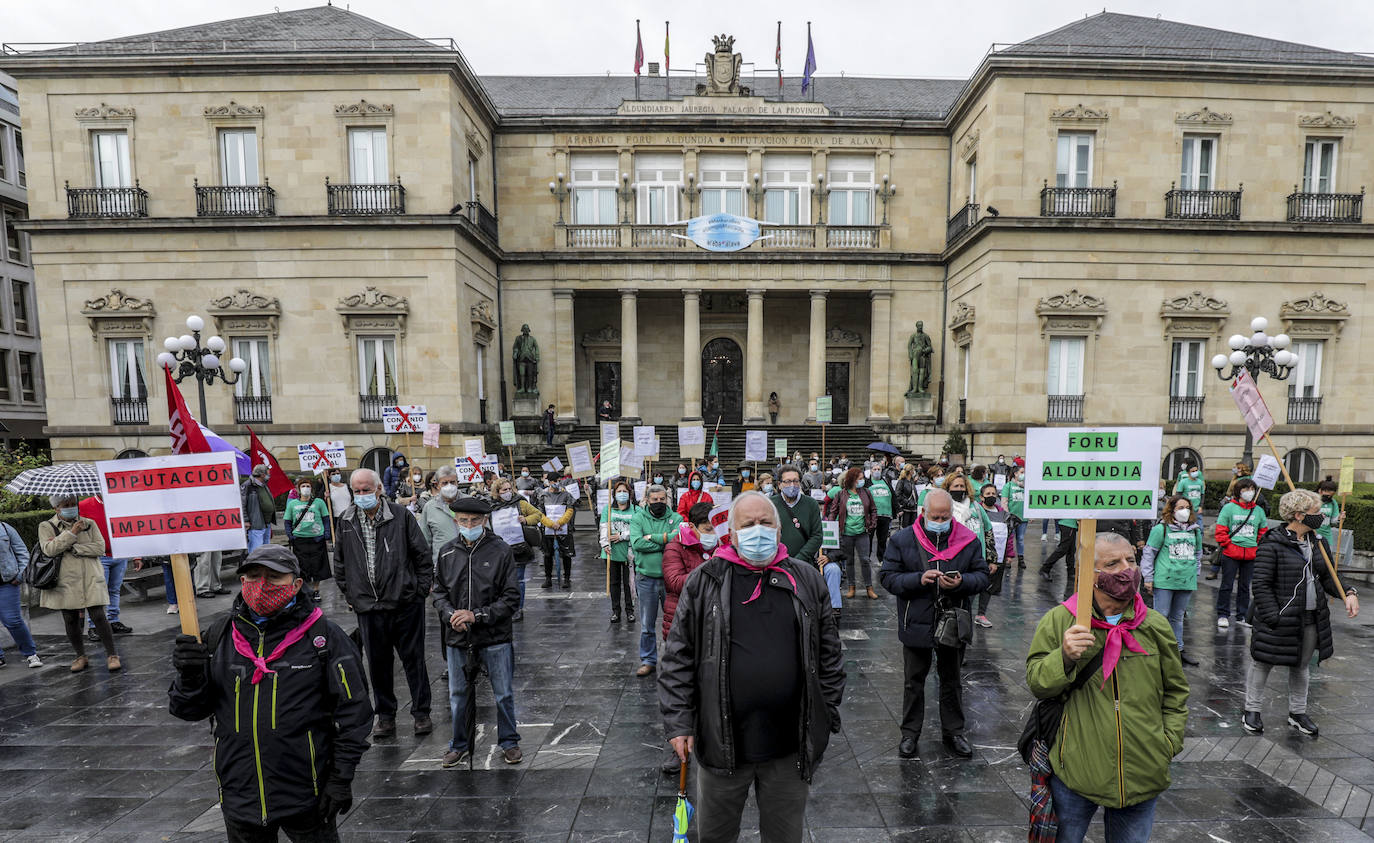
[1258, 675]
[857, 550]
[778, 789]
[205, 575]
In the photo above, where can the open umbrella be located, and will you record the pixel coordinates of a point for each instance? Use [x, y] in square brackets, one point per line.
[68, 478]
[682, 814]
[884, 447]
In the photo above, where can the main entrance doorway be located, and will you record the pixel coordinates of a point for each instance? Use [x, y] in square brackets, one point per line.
[607, 387]
[837, 387]
[722, 382]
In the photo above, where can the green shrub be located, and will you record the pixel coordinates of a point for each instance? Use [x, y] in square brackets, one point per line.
[12, 462]
[954, 443]
[26, 523]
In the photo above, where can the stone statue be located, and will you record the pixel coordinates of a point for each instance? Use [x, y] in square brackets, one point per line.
[526, 357]
[919, 349]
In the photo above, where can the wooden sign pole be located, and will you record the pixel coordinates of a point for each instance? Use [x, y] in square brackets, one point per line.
[1087, 546]
[1339, 521]
[186, 595]
[1289, 480]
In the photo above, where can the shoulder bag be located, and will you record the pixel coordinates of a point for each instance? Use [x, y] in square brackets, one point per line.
[1045, 718]
[44, 570]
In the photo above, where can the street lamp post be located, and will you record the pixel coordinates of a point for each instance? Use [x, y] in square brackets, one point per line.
[186, 358]
[1258, 353]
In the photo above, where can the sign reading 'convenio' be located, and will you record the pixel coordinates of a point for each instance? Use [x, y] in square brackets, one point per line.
[724, 106]
[1092, 472]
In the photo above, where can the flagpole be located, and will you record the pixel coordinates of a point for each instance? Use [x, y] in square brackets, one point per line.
[667, 66]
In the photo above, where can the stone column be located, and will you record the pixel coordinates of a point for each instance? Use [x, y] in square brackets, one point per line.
[691, 355]
[629, 355]
[815, 380]
[565, 356]
[753, 362]
[879, 350]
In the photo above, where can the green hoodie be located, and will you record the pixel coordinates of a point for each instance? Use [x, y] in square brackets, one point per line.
[1116, 755]
[648, 537]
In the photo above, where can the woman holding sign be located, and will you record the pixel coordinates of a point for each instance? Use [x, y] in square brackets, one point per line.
[616, 521]
[1171, 562]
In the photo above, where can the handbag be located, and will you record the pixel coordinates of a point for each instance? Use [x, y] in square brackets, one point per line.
[44, 570]
[953, 625]
[1045, 717]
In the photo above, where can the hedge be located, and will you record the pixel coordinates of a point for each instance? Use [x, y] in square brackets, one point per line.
[26, 523]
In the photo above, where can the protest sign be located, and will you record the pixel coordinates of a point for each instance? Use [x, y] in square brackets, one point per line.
[507, 434]
[431, 437]
[404, 418]
[610, 459]
[630, 459]
[719, 514]
[823, 409]
[644, 439]
[691, 441]
[187, 503]
[474, 448]
[610, 431]
[830, 535]
[320, 456]
[580, 459]
[755, 445]
[780, 449]
[505, 522]
[640, 486]
[555, 511]
[603, 499]
[1267, 471]
[657, 444]
[1251, 405]
[554, 464]
[1346, 484]
[818, 495]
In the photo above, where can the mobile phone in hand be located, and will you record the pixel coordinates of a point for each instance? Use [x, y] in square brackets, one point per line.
[951, 574]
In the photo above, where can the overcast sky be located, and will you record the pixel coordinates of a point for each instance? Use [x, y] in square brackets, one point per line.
[858, 37]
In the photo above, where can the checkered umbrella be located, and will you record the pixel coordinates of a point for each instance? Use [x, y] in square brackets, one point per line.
[69, 478]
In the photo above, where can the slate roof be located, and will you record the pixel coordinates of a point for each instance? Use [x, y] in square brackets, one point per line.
[1114, 35]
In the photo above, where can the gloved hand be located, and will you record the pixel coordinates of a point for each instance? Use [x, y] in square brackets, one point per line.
[191, 659]
[336, 798]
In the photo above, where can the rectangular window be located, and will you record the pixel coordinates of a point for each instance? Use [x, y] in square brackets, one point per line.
[28, 378]
[723, 183]
[1065, 369]
[112, 159]
[4, 374]
[367, 159]
[1074, 160]
[4, 155]
[19, 157]
[1307, 376]
[472, 178]
[256, 380]
[19, 292]
[787, 189]
[1185, 373]
[15, 240]
[1199, 163]
[973, 181]
[1319, 166]
[658, 188]
[238, 157]
[377, 365]
[593, 187]
[127, 371]
[850, 179]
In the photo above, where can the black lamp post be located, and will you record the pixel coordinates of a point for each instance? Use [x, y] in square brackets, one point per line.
[186, 358]
[1255, 354]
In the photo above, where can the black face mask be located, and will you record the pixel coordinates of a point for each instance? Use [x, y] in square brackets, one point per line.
[1313, 521]
[658, 509]
[989, 502]
[1327, 498]
[958, 494]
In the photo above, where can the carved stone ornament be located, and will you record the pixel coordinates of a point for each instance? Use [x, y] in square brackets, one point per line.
[373, 299]
[1079, 112]
[119, 303]
[483, 322]
[605, 335]
[964, 314]
[245, 311]
[475, 145]
[106, 112]
[119, 314]
[838, 336]
[233, 109]
[374, 310]
[969, 145]
[1203, 117]
[363, 108]
[1196, 314]
[1071, 312]
[1314, 317]
[246, 300]
[722, 70]
[1325, 121]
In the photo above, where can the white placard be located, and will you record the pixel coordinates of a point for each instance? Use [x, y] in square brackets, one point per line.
[644, 439]
[505, 522]
[691, 441]
[610, 432]
[555, 511]
[1267, 472]
[405, 418]
[319, 456]
[722, 497]
[580, 459]
[467, 472]
[756, 445]
[640, 486]
[630, 459]
[188, 503]
[474, 448]
[1093, 472]
[575, 490]
[603, 499]
[999, 539]
[554, 464]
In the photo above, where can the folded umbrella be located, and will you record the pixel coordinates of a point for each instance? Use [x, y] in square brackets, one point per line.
[682, 814]
[68, 478]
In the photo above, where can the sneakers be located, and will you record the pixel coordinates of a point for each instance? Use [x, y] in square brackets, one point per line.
[1242, 622]
[982, 620]
[80, 664]
[1223, 622]
[1044, 537]
[512, 755]
[1302, 723]
[1253, 724]
[120, 629]
[615, 617]
[454, 757]
[35, 661]
[173, 610]
[113, 664]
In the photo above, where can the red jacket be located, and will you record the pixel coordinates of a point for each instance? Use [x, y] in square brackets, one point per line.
[94, 509]
[681, 557]
[690, 497]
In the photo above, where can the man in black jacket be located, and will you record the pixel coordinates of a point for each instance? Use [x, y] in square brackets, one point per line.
[382, 565]
[290, 724]
[751, 678]
[476, 594]
[938, 563]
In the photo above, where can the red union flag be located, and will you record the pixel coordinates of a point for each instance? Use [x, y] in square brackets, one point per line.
[1251, 405]
[157, 506]
[186, 435]
[277, 481]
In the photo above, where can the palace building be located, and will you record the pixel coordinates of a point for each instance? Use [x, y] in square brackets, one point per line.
[1078, 229]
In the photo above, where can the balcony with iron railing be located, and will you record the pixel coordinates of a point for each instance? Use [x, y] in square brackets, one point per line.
[85, 203]
[1078, 201]
[962, 221]
[1065, 408]
[482, 218]
[365, 200]
[248, 200]
[1325, 207]
[1185, 409]
[370, 406]
[963, 411]
[1202, 204]
[253, 409]
[1304, 409]
[129, 410]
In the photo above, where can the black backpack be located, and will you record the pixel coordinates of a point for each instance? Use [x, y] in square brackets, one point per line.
[1045, 717]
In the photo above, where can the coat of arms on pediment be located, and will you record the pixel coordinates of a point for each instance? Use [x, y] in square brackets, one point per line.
[722, 70]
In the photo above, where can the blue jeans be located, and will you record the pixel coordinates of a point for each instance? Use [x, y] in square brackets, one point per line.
[1123, 825]
[649, 592]
[499, 660]
[169, 583]
[114, 578]
[1234, 571]
[13, 619]
[833, 573]
[1044, 527]
[520, 577]
[1172, 604]
[1020, 538]
[258, 538]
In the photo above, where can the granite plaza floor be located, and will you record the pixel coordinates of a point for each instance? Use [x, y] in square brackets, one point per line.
[97, 757]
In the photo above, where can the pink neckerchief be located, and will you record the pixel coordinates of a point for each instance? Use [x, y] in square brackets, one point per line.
[1117, 634]
[959, 537]
[246, 650]
[729, 554]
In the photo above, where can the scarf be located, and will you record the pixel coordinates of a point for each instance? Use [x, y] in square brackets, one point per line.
[1117, 634]
[959, 537]
[729, 554]
[260, 668]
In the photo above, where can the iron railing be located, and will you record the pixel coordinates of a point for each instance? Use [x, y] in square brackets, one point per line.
[1185, 409]
[129, 410]
[789, 237]
[658, 237]
[1304, 410]
[1326, 207]
[1202, 204]
[1065, 408]
[593, 236]
[365, 200]
[851, 237]
[370, 406]
[248, 200]
[484, 220]
[962, 221]
[251, 409]
[1078, 201]
[106, 202]
[963, 411]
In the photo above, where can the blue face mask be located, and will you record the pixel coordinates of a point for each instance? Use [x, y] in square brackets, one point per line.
[472, 534]
[622, 497]
[696, 484]
[709, 540]
[938, 528]
[368, 501]
[744, 473]
[859, 484]
[757, 544]
[768, 488]
[791, 491]
[938, 482]
[68, 513]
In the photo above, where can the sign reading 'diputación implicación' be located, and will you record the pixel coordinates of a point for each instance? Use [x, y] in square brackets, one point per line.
[1092, 472]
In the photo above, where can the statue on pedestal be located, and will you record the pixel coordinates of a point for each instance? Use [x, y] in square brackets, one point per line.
[526, 357]
[920, 349]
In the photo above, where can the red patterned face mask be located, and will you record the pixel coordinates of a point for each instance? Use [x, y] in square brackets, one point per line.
[265, 598]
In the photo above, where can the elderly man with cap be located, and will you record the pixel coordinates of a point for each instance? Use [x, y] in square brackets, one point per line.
[287, 692]
[476, 594]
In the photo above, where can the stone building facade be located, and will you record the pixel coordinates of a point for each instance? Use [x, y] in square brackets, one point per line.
[21, 366]
[1079, 227]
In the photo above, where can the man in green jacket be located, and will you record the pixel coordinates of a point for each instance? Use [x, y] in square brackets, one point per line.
[1119, 732]
[651, 528]
[800, 531]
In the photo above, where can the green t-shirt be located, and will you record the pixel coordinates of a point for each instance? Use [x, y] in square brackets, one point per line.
[307, 519]
[1192, 490]
[619, 522]
[853, 512]
[882, 497]
[1244, 524]
[1015, 496]
[1330, 512]
[1176, 563]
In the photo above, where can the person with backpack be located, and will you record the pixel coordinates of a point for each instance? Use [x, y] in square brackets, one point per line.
[852, 505]
[1171, 562]
[14, 561]
[289, 701]
[1240, 526]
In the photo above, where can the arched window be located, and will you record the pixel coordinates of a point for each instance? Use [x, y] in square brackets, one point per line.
[376, 459]
[131, 454]
[1175, 462]
[1302, 465]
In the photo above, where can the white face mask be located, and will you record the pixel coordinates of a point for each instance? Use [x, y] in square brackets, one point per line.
[449, 491]
[1247, 495]
[1182, 515]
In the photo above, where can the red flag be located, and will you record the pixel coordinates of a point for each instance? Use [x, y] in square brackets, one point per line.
[277, 481]
[667, 62]
[639, 49]
[777, 56]
[186, 437]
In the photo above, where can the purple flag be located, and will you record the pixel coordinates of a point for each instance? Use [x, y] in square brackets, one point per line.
[241, 459]
[810, 67]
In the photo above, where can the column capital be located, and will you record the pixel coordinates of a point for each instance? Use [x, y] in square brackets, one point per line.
[819, 294]
[691, 291]
[628, 294]
[880, 294]
[562, 293]
[755, 292]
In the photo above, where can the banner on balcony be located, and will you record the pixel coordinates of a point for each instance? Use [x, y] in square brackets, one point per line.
[722, 232]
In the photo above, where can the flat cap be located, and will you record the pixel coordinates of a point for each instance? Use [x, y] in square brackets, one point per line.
[273, 557]
[471, 504]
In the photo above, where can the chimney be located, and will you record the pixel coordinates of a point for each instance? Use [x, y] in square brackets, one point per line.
[653, 68]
